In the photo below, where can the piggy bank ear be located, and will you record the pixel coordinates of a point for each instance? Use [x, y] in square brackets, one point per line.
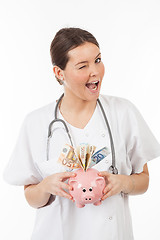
[100, 181]
[72, 182]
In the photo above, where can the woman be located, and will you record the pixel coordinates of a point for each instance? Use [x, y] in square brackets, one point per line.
[77, 65]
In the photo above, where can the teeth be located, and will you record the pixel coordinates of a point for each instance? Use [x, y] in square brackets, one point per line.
[95, 82]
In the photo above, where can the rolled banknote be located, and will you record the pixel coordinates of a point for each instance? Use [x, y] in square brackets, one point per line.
[83, 153]
[91, 150]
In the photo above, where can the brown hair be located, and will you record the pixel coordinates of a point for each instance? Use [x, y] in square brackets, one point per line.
[65, 40]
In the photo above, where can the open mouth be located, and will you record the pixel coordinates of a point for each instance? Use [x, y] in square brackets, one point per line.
[93, 85]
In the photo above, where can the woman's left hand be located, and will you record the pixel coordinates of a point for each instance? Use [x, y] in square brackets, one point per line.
[114, 184]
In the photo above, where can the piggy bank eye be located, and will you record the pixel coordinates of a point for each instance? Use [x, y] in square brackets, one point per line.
[90, 189]
[84, 190]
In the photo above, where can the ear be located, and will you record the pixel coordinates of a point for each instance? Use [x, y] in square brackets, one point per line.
[58, 73]
[72, 182]
[100, 181]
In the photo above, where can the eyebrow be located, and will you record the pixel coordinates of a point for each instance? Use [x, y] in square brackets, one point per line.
[87, 61]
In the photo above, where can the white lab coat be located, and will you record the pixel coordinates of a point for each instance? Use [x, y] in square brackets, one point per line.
[61, 219]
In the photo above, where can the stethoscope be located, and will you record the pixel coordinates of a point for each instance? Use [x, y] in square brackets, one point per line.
[112, 168]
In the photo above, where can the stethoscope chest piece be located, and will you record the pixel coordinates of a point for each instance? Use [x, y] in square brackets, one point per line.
[113, 170]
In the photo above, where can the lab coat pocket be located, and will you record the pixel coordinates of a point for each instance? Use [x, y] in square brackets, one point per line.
[104, 164]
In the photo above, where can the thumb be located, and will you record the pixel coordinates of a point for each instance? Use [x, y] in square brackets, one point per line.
[104, 174]
[65, 175]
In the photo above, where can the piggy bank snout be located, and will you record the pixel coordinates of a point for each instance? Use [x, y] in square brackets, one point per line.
[87, 200]
[88, 195]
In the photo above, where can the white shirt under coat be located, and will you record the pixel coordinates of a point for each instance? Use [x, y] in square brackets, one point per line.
[61, 219]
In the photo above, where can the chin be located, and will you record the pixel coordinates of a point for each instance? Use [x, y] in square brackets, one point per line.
[93, 97]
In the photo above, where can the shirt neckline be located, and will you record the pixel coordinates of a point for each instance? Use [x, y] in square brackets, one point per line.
[87, 125]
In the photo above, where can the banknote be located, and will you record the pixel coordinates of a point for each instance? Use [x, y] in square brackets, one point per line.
[84, 156]
[99, 156]
[68, 158]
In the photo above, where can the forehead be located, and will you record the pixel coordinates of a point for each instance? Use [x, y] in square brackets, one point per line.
[84, 52]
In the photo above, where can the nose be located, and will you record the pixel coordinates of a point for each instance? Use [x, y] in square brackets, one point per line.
[88, 199]
[93, 71]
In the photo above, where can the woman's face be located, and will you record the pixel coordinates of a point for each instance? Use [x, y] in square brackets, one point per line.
[84, 72]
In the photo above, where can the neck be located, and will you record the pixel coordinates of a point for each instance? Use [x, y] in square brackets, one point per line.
[76, 105]
[77, 111]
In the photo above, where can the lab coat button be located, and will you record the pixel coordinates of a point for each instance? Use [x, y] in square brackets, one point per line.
[103, 135]
[110, 218]
[106, 161]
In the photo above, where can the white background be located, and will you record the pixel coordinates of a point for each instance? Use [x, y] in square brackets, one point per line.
[129, 35]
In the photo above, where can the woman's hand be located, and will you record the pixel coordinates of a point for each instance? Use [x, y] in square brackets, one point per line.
[134, 184]
[114, 184]
[55, 184]
[39, 194]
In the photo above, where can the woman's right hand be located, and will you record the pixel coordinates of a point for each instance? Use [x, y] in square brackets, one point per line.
[55, 184]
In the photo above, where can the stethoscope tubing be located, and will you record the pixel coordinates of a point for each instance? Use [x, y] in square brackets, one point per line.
[112, 168]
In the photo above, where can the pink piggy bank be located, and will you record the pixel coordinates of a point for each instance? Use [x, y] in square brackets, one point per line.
[87, 187]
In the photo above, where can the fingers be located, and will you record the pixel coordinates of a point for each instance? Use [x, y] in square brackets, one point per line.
[66, 186]
[110, 188]
[60, 192]
[65, 175]
[108, 192]
[55, 184]
[114, 185]
[62, 186]
[104, 174]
